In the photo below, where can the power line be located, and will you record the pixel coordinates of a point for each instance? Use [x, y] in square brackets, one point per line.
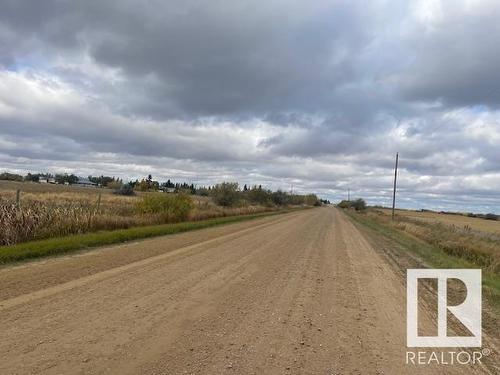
[458, 112]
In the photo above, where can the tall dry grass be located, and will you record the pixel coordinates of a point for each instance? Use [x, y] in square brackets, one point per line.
[49, 214]
[36, 221]
[480, 248]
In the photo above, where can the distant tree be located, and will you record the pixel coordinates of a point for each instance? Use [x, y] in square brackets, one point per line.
[358, 204]
[11, 176]
[312, 200]
[256, 195]
[226, 194]
[125, 189]
[32, 177]
[115, 184]
[279, 198]
[61, 178]
[202, 191]
[155, 185]
[344, 204]
[142, 185]
[101, 180]
[66, 178]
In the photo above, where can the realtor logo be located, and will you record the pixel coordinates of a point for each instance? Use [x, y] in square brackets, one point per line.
[468, 312]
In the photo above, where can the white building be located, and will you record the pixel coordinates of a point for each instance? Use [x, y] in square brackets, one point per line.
[85, 182]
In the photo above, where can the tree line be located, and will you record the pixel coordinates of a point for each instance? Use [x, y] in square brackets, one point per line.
[227, 194]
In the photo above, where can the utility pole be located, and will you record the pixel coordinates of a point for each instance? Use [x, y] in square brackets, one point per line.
[394, 191]
[348, 194]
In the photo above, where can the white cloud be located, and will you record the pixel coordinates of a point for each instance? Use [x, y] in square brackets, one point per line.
[321, 102]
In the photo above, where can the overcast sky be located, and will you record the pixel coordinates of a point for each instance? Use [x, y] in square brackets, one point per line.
[315, 94]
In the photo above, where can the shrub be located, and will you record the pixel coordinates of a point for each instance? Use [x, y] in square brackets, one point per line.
[169, 207]
[359, 204]
[10, 176]
[115, 184]
[226, 194]
[203, 192]
[279, 198]
[344, 204]
[312, 200]
[125, 190]
[257, 195]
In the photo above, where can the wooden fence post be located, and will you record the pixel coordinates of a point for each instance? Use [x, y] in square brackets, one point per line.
[18, 198]
[98, 202]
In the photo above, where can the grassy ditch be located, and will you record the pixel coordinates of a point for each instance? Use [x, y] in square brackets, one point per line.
[438, 253]
[62, 245]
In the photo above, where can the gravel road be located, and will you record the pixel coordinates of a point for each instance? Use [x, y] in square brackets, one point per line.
[299, 293]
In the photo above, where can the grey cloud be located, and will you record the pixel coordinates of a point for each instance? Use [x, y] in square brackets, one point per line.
[319, 95]
[212, 58]
[454, 58]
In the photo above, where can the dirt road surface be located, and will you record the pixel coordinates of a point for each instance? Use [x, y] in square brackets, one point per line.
[300, 293]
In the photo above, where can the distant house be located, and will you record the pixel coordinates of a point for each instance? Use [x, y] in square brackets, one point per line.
[85, 182]
[47, 180]
[167, 189]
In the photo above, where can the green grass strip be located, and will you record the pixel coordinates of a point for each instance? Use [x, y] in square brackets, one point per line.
[432, 255]
[62, 245]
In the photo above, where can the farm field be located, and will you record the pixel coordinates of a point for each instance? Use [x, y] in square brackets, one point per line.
[477, 224]
[47, 210]
[473, 241]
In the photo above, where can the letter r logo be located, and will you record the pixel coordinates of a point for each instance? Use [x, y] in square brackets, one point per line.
[468, 313]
